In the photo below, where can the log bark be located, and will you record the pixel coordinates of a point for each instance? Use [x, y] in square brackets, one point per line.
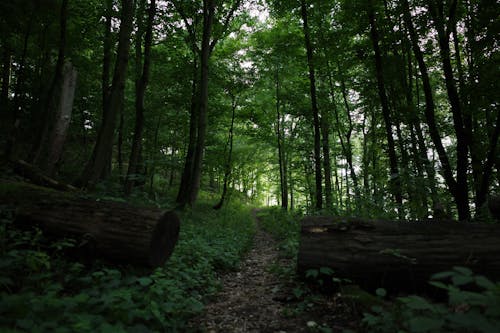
[114, 231]
[398, 256]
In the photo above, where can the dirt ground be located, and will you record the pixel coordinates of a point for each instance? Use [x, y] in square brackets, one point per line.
[255, 300]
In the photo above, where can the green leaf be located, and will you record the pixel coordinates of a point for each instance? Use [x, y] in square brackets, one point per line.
[460, 280]
[298, 292]
[425, 324]
[312, 273]
[416, 303]
[442, 275]
[438, 284]
[381, 292]
[145, 281]
[463, 270]
[484, 282]
[326, 270]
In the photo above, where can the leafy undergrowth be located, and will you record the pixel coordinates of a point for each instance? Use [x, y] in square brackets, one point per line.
[42, 290]
[282, 226]
[473, 306]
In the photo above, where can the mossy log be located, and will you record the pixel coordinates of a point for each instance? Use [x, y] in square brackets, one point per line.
[400, 256]
[114, 231]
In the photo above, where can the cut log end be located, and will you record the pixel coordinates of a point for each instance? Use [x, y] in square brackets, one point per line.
[164, 238]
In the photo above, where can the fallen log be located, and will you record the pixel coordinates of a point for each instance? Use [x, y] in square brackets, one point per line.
[37, 176]
[114, 231]
[398, 256]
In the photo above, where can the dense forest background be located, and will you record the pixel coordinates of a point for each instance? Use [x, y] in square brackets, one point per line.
[370, 108]
[171, 124]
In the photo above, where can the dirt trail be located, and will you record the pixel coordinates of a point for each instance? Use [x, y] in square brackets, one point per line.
[248, 301]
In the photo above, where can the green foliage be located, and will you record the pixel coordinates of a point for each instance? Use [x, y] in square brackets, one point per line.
[473, 306]
[42, 291]
[283, 226]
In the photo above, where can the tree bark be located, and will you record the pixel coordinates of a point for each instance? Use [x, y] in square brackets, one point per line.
[47, 112]
[62, 120]
[462, 190]
[314, 108]
[430, 114]
[228, 165]
[6, 68]
[104, 143]
[185, 185]
[140, 91]
[393, 161]
[208, 20]
[114, 231]
[280, 141]
[15, 119]
[397, 255]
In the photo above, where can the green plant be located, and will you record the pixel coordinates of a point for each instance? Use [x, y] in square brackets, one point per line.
[473, 306]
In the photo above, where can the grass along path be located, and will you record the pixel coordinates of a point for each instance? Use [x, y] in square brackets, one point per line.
[248, 301]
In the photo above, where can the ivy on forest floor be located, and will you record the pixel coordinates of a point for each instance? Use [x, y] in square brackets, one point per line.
[41, 290]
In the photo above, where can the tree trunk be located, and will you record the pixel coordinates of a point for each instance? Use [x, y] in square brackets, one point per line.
[15, 117]
[153, 155]
[140, 91]
[461, 194]
[327, 167]
[104, 143]
[106, 67]
[280, 141]
[182, 195]
[314, 106]
[63, 119]
[6, 68]
[430, 110]
[396, 255]
[111, 230]
[393, 161]
[208, 20]
[47, 116]
[227, 167]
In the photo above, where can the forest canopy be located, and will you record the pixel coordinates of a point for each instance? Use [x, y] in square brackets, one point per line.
[367, 107]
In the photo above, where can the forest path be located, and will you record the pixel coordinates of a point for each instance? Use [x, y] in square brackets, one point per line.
[249, 300]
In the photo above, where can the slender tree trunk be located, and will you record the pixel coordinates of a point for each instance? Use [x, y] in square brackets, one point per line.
[395, 176]
[48, 109]
[153, 155]
[105, 75]
[491, 159]
[182, 195]
[96, 164]
[106, 59]
[325, 133]
[15, 119]
[228, 165]
[6, 67]
[62, 120]
[348, 135]
[281, 153]
[461, 194]
[430, 112]
[119, 147]
[140, 91]
[208, 19]
[314, 106]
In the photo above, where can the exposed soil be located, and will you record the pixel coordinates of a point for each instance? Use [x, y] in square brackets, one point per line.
[255, 300]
